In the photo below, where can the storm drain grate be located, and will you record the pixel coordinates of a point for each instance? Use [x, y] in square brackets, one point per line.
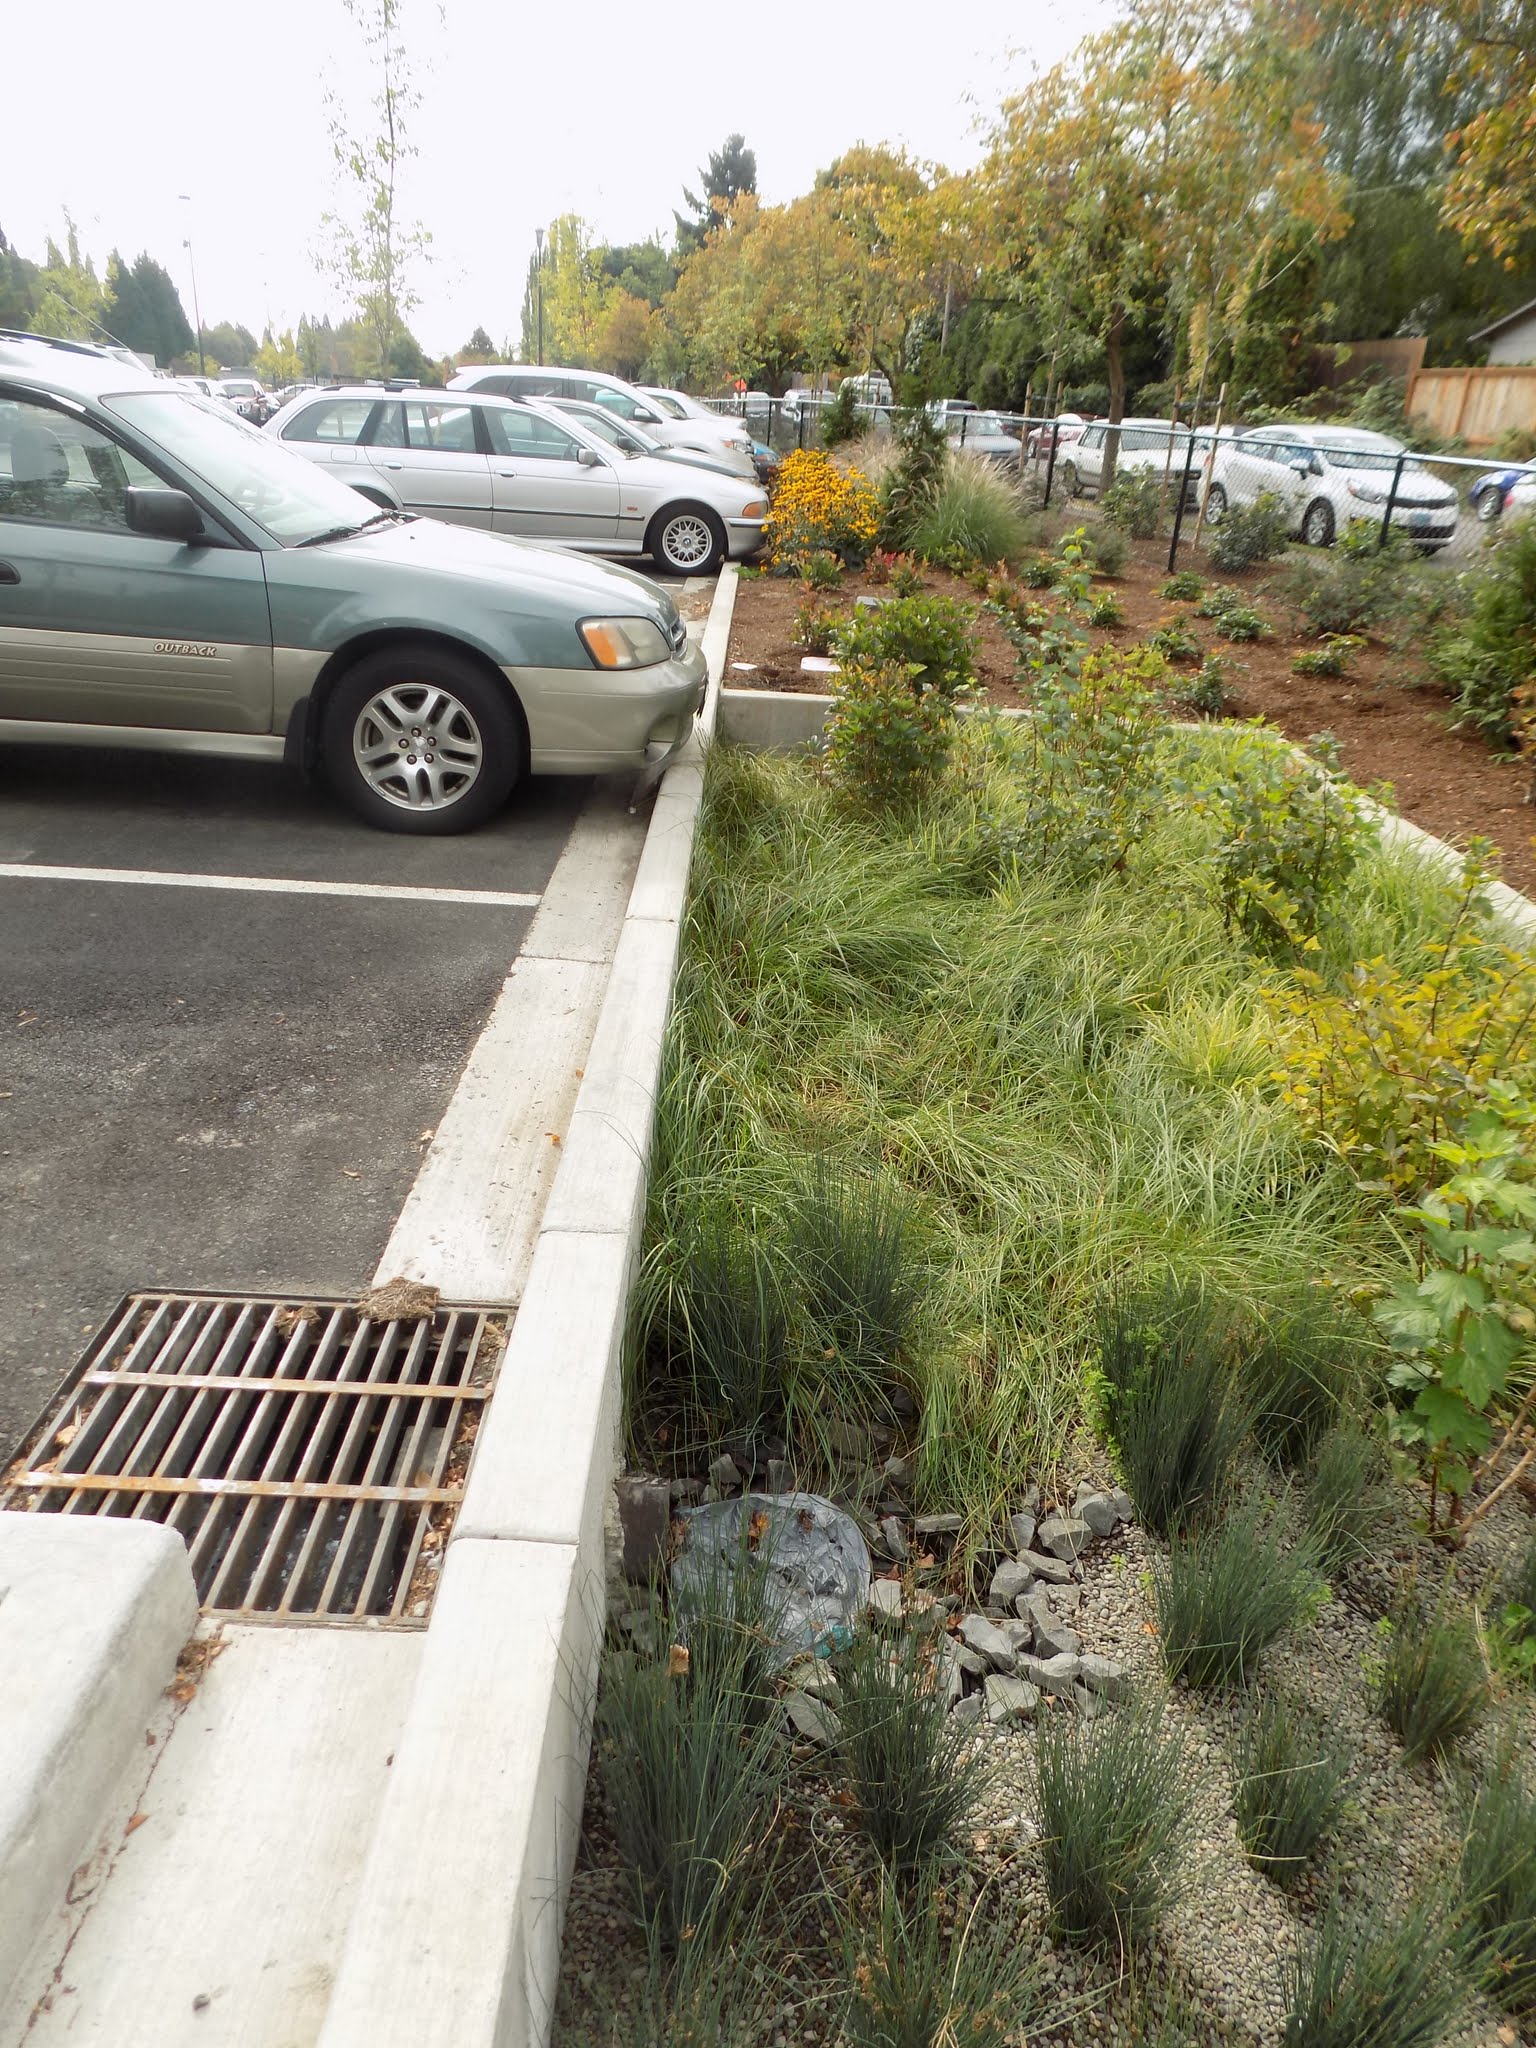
[313, 1459]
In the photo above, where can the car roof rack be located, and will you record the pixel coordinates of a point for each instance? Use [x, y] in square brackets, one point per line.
[78, 348]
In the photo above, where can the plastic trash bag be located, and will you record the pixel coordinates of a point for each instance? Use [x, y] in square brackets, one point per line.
[813, 1560]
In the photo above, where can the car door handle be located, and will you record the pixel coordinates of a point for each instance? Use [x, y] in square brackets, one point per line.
[9, 573]
[394, 465]
[506, 472]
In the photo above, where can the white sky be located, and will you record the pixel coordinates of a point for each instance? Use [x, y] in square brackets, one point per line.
[529, 110]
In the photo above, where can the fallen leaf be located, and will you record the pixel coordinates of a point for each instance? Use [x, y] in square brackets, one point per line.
[352, 1172]
[136, 1820]
[67, 1435]
[426, 1137]
[553, 1137]
[678, 1661]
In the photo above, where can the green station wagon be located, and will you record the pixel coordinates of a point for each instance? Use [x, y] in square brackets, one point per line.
[172, 578]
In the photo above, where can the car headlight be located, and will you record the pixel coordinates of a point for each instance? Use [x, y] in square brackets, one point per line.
[744, 446]
[624, 643]
[1371, 494]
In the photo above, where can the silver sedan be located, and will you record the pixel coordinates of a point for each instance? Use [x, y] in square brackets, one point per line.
[525, 468]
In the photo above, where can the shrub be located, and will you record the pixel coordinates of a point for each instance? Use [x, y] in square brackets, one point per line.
[1344, 591]
[840, 419]
[1331, 659]
[1040, 572]
[1218, 602]
[1242, 622]
[933, 637]
[1370, 1977]
[1288, 1786]
[1113, 1800]
[1490, 658]
[1300, 1374]
[1225, 1593]
[975, 513]
[1432, 1686]
[1249, 534]
[1170, 1405]
[1090, 778]
[912, 483]
[913, 1770]
[1134, 502]
[1106, 610]
[906, 579]
[821, 570]
[852, 1243]
[1106, 550]
[1182, 588]
[817, 509]
[1498, 1877]
[815, 625]
[1343, 1501]
[1207, 691]
[930, 1972]
[887, 744]
[1174, 642]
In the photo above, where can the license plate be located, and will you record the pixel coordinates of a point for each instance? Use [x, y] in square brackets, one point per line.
[1417, 521]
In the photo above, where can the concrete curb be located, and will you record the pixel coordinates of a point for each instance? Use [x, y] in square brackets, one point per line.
[456, 1932]
[93, 1614]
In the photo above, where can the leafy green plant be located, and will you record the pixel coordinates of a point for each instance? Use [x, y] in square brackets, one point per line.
[1489, 658]
[1209, 690]
[1106, 610]
[1226, 597]
[886, 743]
[933, 1971]
[1288, 1786]
[1343, 1499]
[933, 637]
[1371, 1977]
[1113, 1802]
[1183, 587]
[1331, 659]
[1225, 1593]
[1242, 622]
[1301, 1373]
[1107, 549]
[914, 1772]
[1498, 1876]
[1249, 534]
[1040, 572]
[1171, 1405]
[815, 624]
[1174, 642]
[1135, 502]
[821, 570]
[1512, 1624]
[974, 514]
[1345, 591]
[906, 578]
[1432, 1686]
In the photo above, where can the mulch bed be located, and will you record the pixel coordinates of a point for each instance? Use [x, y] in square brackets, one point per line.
[1391, 722]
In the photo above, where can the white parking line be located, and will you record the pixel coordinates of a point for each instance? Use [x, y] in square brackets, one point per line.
[272, 885]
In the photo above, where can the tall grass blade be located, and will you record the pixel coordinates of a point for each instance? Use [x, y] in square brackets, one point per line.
[1288, 1791]
[1432, 1687]
[914, 1771]
[928, 1970]
[1225, 1593]
[1498, 1876]
[1370, 1977]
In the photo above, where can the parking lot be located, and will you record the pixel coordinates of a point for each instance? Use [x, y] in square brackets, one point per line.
[232, 1016]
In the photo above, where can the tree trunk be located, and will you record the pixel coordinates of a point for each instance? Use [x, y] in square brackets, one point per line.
[1115, 368]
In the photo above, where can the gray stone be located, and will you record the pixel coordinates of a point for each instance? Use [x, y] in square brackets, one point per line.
[926, 1614]
[868, 604]
[812, 1718]
[1051, 1569]
[1100, 1513]
[723, 1475]
[894, 1538]
[1010, 1699]
[1052, 1674]
[1087, 1703]
[780, 1476]
[814, 1676]
[972, 1665]
[1021, 1531]
[939, 1525]
[1125, 1507]
[1065, 1536]
[1063, 1601]
[1008, 1582]
[987, 1640]
[645, 1519]
[951, 1674]
[710, 1495]
[1035, 1608]
[687, 1493]
[852, 1440]
[1054, 1639]
[969, 1709]
[898, 1471]
[885, 1603]
[1020, 1633]
[1031, 1500]
[1105, 1677]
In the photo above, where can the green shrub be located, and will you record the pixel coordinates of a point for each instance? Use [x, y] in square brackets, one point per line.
[1432, 1686]
[1106, 610]
[1242, 622]
[1208, 690]
[851, 1242]
[934, 637]
[840, 419]
[1113, 1801]
[974, 513]
[912, 482]
[1498, 1877]
[1300, 1374]
[815, 624]
[1107, 550]
[1218, 602]
[1490, 658]
[1174, 642]
[1345, 591]
[1331, 659]
[1171, 1406]
[1370, 1977]
[906, 579]
[913, 1771]
[1288, 1786]
[886, 744]
[1249, 534]
[1344, 1500]
[1090, 780]
[1040, 572]
[929, 1971]
[1134, 502]
[1225, 1593]
[821, 570]
[1183, 587]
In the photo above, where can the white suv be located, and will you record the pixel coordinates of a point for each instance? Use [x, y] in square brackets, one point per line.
[721, 439]
[1327, 476]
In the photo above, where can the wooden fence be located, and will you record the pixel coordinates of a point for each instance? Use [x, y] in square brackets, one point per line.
[1475, 405]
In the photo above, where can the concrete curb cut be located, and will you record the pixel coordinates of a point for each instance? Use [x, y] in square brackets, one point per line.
[455, 1935]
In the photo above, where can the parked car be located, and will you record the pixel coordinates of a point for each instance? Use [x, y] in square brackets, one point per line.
[247, 397]
[794, 403]
[1488, 492]
[1520, 499]
[870, 389]
[708, 434]
[1068, 427]
[172, 578]
[528, 467]
[1327, 476]
[986, 434]
[1144, 444]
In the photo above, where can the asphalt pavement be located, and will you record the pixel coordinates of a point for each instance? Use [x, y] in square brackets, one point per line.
[224, 1077]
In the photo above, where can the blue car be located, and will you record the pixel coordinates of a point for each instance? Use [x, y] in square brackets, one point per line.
[1486, 497]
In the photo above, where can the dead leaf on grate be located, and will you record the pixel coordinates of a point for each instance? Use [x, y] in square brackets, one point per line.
[135, 1820]
[192, 1665]
[291, 1319]
[399, 1301]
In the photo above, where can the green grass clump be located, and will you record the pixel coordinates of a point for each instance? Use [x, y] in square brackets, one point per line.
[1370, 1977]
[972, 511]
[1301, 1373]
[1288, 1791]
[1106, 610]
[726, 1319]
[913, 1770]
[1343, 1500]
[1113, 1800]
[1512, 1624]
[1171, 1406]
[1432, 1686]
[935, 1972]
[1498, 1877]
[1225, 1593]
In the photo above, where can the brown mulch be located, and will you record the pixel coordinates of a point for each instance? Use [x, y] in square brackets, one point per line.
[1390, 720]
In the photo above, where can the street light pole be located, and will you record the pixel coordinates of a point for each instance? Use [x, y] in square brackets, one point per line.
[538, 285]
[186, 243]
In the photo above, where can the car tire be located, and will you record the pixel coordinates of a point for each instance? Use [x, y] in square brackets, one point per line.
[1071, 482]
[687, 539]
[1317, 524]
[441, 701]
[1489, 504]
[1215, 505]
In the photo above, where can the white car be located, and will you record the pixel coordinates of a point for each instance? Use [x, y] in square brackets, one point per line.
[1327, 476]
[708, 434]
[1144, 444]
[527, 469]
[1520, 500]
[795, 403]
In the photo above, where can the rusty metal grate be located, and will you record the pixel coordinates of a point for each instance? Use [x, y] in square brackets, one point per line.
[312, 1459]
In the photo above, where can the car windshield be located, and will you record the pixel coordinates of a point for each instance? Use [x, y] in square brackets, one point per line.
[623, 434]
[979, 423]
[1363, 454]
[282, 492]
[666, 405]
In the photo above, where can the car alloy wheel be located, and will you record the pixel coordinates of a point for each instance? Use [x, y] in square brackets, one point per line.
[417, 746]
[689, 541]
[1317, 524]
[420, 739]
[1215, 505]
[1071, 482]
[1490, 504]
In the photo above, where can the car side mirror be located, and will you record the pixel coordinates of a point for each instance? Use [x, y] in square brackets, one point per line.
[1302, 464]
[646, 419]
[588, 458]
[162, 514]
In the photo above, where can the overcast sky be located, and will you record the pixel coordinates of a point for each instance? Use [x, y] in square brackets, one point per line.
[530, 108]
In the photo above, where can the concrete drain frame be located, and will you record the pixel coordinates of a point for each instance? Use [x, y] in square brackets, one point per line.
[312, 1459]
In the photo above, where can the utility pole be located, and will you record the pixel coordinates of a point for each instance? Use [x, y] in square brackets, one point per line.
[538, 273]
[186, 243]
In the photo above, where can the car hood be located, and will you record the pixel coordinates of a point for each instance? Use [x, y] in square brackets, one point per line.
[670, 473]
[435, 546]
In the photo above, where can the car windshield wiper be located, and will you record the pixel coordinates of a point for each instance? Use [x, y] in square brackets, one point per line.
[317, 540]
